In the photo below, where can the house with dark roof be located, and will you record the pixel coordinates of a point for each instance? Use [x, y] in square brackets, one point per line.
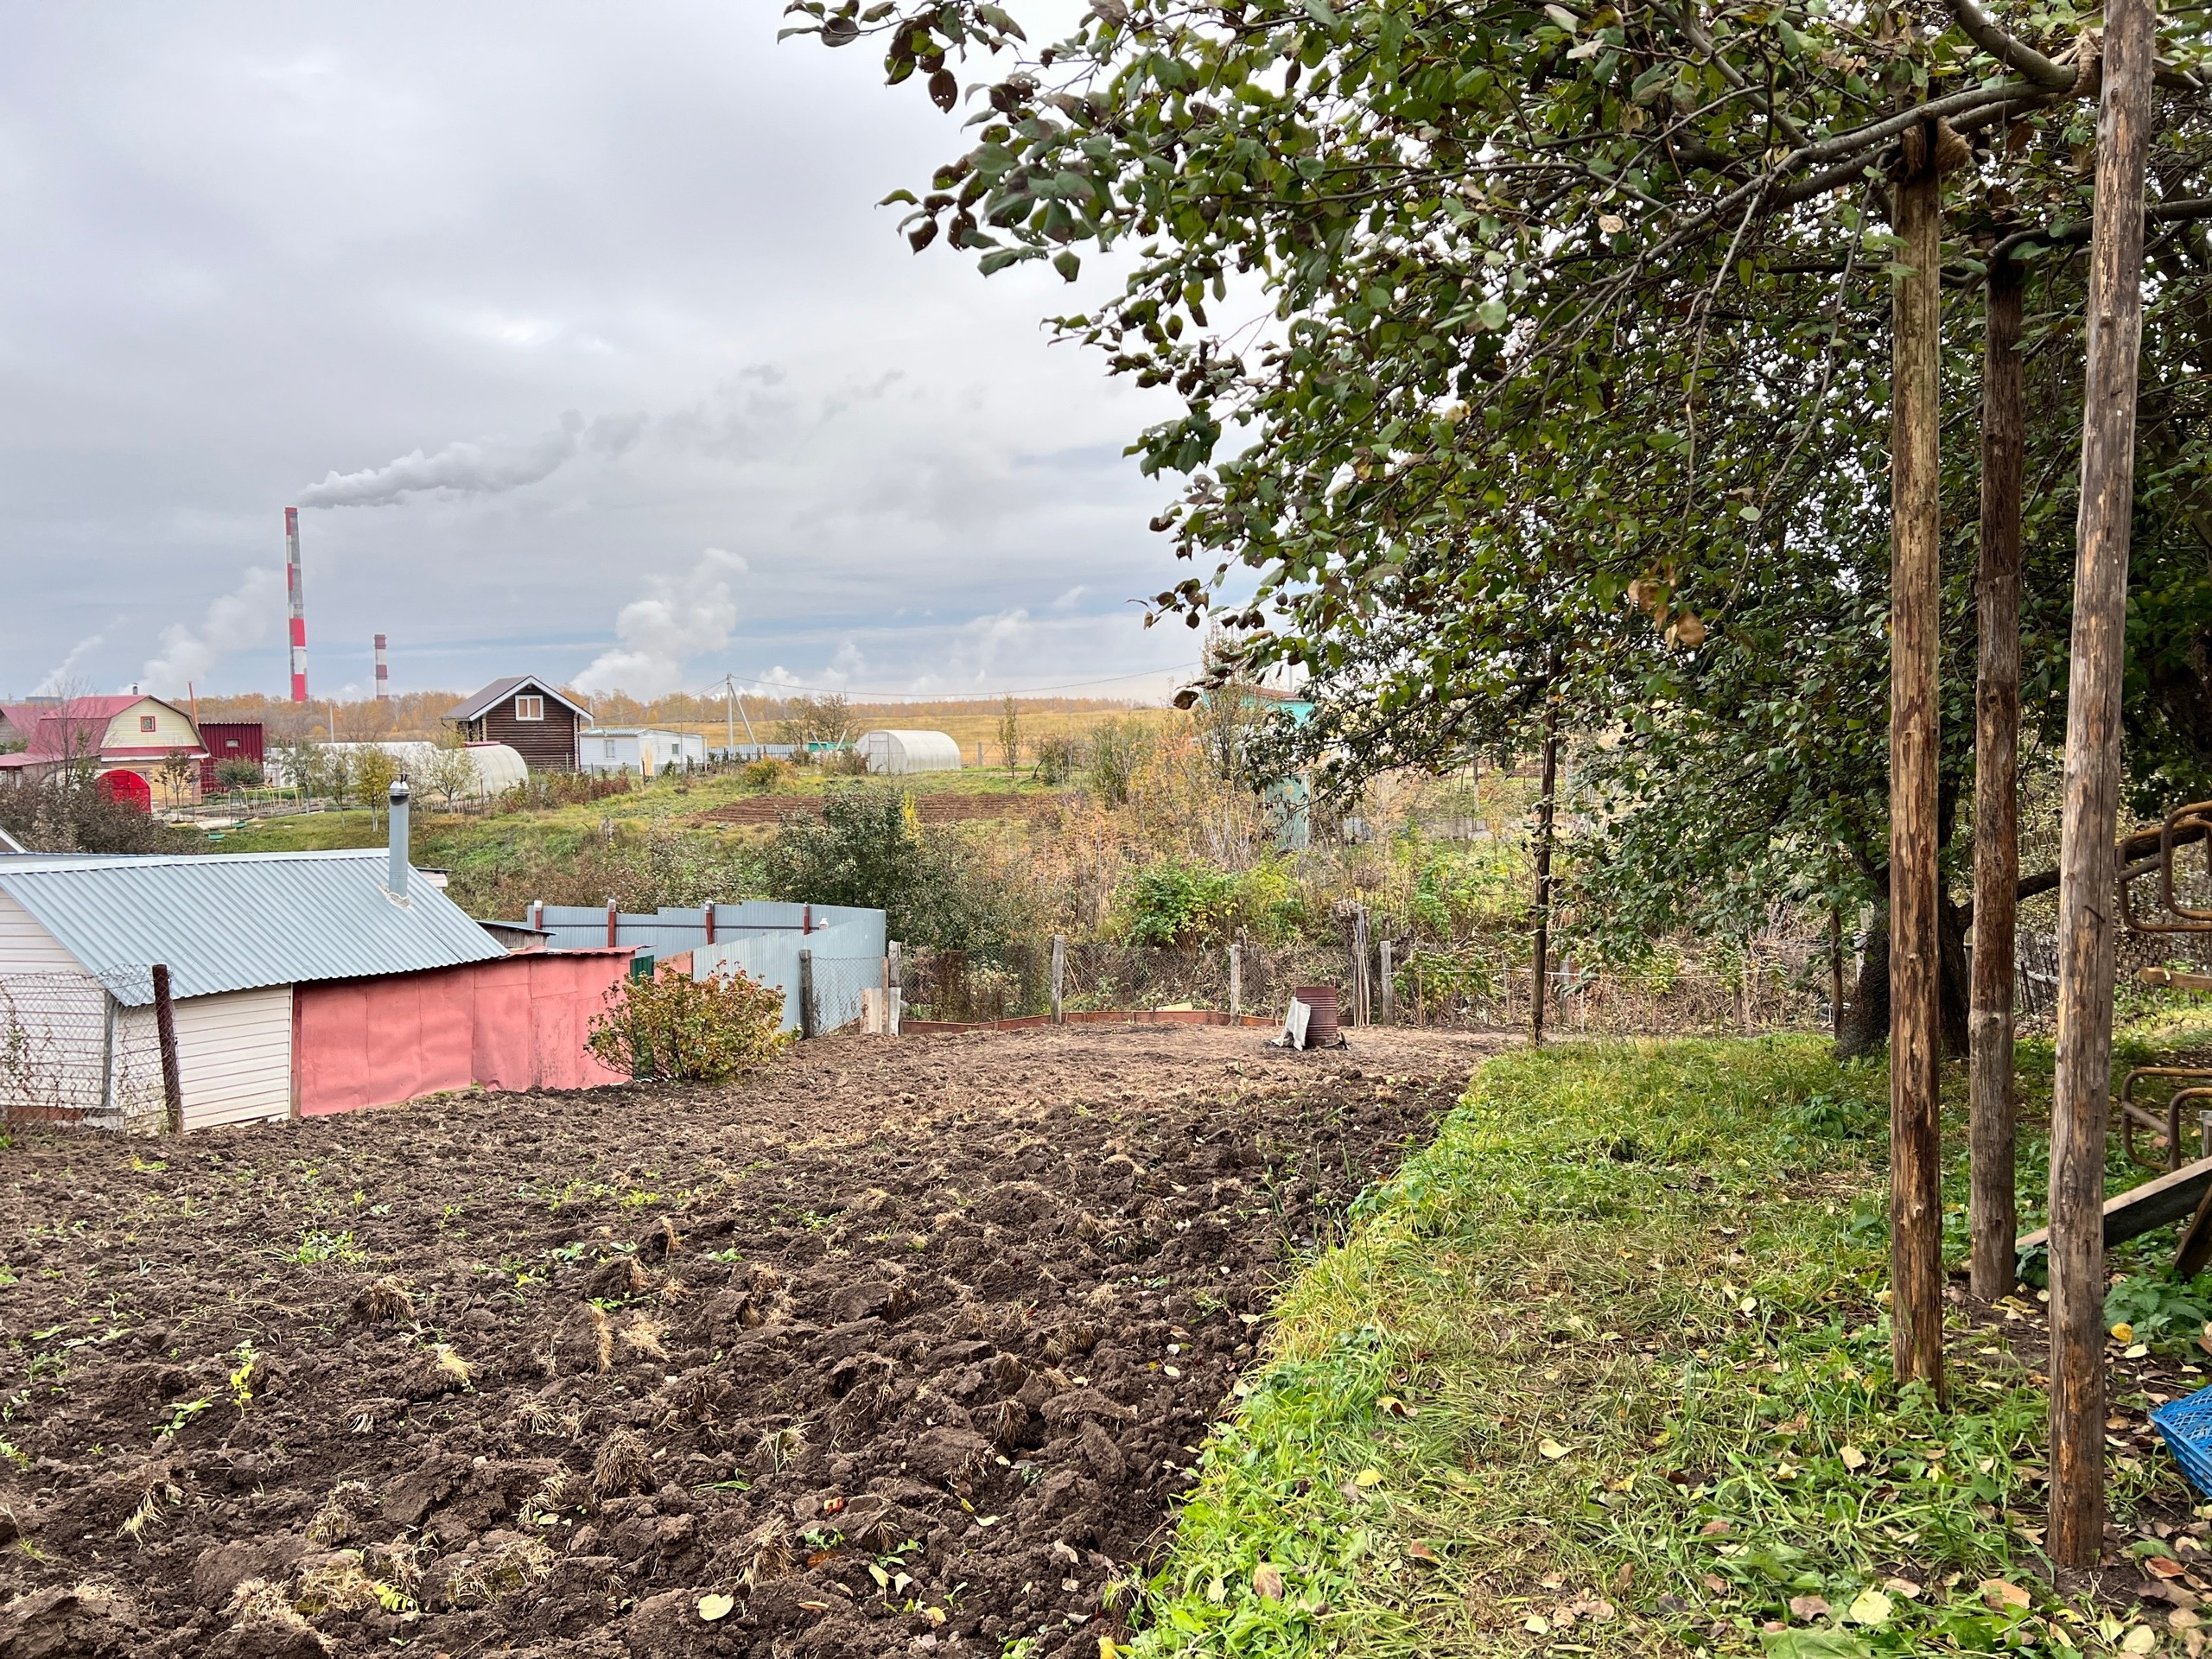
[529, 716]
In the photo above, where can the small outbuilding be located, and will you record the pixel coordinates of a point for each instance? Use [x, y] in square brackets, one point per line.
[895, 753]
[641, 749]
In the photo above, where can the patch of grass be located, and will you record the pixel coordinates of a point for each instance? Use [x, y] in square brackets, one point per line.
[1605, 1370]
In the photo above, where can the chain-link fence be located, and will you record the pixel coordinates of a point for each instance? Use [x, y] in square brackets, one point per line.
[71, 1052]
[837, 984]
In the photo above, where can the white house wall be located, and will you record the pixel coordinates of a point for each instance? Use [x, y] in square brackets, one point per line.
[234, 1056]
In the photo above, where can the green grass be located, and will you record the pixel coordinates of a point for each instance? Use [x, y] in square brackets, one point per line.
[1604, 1370]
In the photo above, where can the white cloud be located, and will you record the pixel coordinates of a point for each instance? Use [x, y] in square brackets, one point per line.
[238, 621]
[677, 620]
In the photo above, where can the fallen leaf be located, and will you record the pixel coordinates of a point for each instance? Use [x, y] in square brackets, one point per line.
[1713, 1530]
[714, 1607]
[1904, 1587]
[1267, 1580]
[2165, 1566]
[935, 1615]
[1421, 1551]
[1551, 1448]
[1869, 1607]
[2183, 1619]
[1997, 1593]
[1715, 1583]
[1807, 1607]
[1611, 224]
[2141, 1639]
[2123, 1331]
[2135, 1351]
[1535, 1624]
[1367, 1478]
[1853, 1458]
[816, 1607]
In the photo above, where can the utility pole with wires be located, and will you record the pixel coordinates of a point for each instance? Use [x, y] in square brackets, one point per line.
[733, 710]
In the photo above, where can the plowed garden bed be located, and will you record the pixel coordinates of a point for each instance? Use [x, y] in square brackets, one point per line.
[903, 1347]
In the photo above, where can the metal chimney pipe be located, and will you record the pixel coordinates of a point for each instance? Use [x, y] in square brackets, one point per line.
[383, 674]
[396, 882]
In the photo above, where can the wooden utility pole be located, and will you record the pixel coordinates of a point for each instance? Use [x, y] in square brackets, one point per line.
[1916, 620]
[2086, 860]
[1545, 820]
[1059, 976]
[1994, 1209]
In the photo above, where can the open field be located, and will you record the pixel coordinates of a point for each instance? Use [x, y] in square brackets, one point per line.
[899, 1343]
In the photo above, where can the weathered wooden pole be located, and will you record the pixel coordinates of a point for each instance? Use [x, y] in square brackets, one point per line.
[1916, 1155]
[807, 1021]
[1993, 1212]
[1360, 952]
[165, 1038]
[1546, 818]
[1059, 977]
[2086, 861]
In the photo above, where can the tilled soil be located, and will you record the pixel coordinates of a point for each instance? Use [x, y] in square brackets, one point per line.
[904, 1347]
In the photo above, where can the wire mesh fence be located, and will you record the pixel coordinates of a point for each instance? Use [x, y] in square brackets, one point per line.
[71, 1052]
[838, 982]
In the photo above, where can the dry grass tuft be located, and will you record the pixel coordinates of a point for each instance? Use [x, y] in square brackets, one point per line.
[624, 1464]
[258, 1605]
[399, 1562]
[382, 1300]
[641, 1335]
[768, 1554]
[542, 1419]
[452, 1366]
[341, 1513]
[780, 1447]
[562, 1493]
[513, 1566]
[603, 1334]
[339, 1587]
[148, 1512]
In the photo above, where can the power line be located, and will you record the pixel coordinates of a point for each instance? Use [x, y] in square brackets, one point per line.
[954, 696]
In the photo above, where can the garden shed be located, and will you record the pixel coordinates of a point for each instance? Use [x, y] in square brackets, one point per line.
[895, 754]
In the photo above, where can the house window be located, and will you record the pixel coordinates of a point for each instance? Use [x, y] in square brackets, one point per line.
[610, 748]
[145, 722]
[530, 707]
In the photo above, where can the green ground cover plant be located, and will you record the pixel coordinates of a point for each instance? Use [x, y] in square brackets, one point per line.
[1604, 1370]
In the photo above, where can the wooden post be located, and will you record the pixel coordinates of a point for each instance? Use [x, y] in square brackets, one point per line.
[1993, 1212]
[2087, 856]
[1836, 972]
[1389, 989]
[613, 923]
[1916, 620]
[895, 982]
[806, 1014]
[1059, 975]
[1235, 980]
[1545, 819]
[165, 1030]
[1360, 951]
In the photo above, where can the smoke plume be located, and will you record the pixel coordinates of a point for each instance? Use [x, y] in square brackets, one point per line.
[464, 468]
[240, 618]
[677, 620]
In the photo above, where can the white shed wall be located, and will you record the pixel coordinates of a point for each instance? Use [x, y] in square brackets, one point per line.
[26, 948]
[234, 1056]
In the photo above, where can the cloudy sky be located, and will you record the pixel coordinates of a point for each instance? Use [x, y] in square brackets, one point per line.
[576, 336]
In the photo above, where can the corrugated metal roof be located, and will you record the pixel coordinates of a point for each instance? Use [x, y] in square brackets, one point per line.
[238, 921]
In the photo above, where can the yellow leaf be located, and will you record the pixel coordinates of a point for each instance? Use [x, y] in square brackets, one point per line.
[1869, 1607]
[1853, 1458]
[1367, 1478]
[1267, 1581]
[882, 1579]
[714, 1607]
[2123, 1331]
[1997, 1592]
[2141, 1639]
[1536, 1623]
[1551, 1448]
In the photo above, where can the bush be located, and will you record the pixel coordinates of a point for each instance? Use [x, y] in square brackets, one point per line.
[1170, 902]
[868, 849]
[763, 775]
[1119, 749]
[675, 1028]
[237, 774]
[1058, 757]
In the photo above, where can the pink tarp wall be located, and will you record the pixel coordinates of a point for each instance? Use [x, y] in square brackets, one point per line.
[516, 1023]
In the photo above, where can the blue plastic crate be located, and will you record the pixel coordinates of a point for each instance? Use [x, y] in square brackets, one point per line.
[2187, 1425]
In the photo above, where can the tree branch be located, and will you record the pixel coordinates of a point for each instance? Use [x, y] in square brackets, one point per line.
[1986, 33]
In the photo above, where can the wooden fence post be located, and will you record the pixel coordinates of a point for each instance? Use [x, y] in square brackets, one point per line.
[1916, 620]
[1994, 1209]
[1059, 976]
[1545, 822]
[1359, 948]
[1390, 990]
[614, 924]
[807, 1020]
[2087, 856]
[1235, 980]
[165, 1032]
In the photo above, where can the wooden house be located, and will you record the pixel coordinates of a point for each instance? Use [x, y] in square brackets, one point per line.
[530, 717]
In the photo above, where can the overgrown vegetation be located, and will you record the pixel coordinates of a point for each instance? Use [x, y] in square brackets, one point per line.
[674, 1028]
[1606, 1366]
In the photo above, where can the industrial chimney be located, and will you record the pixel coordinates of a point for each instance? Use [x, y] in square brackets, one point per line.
[396, 881]
[299, 605]
[383, 674]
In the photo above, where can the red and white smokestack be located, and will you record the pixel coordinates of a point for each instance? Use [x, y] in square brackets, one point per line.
[299, 604]
[383, 674]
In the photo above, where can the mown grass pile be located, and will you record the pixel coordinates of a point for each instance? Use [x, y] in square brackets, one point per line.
[1605, 1370]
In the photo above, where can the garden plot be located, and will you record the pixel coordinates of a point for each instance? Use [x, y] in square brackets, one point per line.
[902, 1347]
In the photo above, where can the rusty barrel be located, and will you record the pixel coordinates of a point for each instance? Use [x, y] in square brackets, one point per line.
[1320, 1002]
